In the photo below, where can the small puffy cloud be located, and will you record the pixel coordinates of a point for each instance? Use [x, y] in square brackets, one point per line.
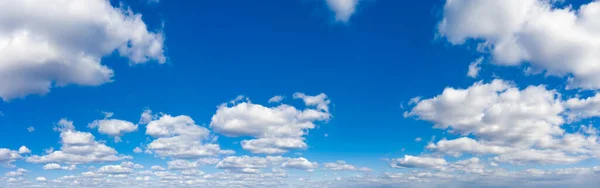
[243, 164]
[301, 164]
[181, 164]
[276, 129]
[114, 169]
[157, 168]
[17, 173]
[343, 9]
[40, 179]
[56, 166]
[147, 117]
[320, 101]
[474, 68]
[343, 166]
[418, 162]
[77, 148]
[137, 150]
[179, 137]
[30, 129]
[24, 150]
[276, 99]
[113, 127]
[48, 43]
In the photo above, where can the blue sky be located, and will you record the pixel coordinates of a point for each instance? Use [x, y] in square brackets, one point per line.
[388, 83]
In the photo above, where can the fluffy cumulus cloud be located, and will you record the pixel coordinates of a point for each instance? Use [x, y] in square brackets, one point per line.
[343, 9]
[276, 129]
[518, 126]
[24, 150]
[179, 137]
[8, 156]
[555, 40]
[77, 148]
[301, 164]
[114, 127]
[409, 161]
[56, 43]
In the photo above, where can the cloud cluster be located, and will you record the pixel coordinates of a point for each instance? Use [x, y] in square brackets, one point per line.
[517, 126]
[77, 148]
[179, 137]
[276, 129]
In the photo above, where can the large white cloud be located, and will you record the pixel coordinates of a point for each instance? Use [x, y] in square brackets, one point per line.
[519, 126]
[276, 129]
[555, 39]
[114, 127]
[77, 148]
[61, 42]
[180, 137]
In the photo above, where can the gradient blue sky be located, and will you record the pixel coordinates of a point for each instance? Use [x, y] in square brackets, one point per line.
[369, 66]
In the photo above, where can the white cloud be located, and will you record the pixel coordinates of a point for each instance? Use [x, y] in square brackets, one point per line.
[42, 179]
[555, 39]
[56, 166]
[114, 169]
[418, 162]
[301, 164]
[539, 156]
[276, 99]
[137, 150]
[343, 166]
[518, 126]
[583, 108]
[158, 168]
[276, 129]
[496, 112]
[180, 137]
[24, 150]
[273, 145]
[113, 127]
[30, 129]
[181, 164]
[243, 164]
[461, 145]
[77, 148]
[8, 156]
[147, 117]
[320, 101]
[343, 9]
[474, 68]
[56, 43]
[16, 173]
